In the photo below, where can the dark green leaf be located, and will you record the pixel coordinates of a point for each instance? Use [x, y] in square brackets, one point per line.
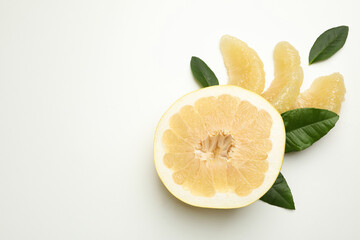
[328, 43]
[202, 73]
[279, 194]
[304, 126]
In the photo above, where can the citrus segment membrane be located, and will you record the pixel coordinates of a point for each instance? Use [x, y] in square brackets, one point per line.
[326, 92]
[219, 147]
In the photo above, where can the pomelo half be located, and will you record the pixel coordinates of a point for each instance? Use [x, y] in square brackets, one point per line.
[219, 147]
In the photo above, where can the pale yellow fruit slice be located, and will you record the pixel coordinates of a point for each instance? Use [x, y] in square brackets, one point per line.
[244, 67]
[326, 92]
[285, 87]
[219, 147]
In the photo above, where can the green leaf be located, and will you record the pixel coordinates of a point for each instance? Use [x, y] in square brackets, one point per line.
[279, 194]
[304, 126]
[328, 43]
[202, 73]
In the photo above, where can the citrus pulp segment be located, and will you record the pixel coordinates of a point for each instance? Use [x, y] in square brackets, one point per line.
[243, 65]
[325, 92]
[285, 87]
[219, 147]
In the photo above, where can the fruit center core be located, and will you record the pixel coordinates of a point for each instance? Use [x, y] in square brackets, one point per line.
[215, 146]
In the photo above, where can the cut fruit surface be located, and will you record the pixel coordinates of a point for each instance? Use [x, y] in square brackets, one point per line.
[219, 147]
[243, 65]
[325, 92]
[285, 87]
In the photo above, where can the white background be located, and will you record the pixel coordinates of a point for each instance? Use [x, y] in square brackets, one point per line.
[84, 83]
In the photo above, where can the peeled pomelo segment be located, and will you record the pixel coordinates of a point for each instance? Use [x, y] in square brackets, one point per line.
[286, 57]
[244, 67]
[285, 87]
[325, 92]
